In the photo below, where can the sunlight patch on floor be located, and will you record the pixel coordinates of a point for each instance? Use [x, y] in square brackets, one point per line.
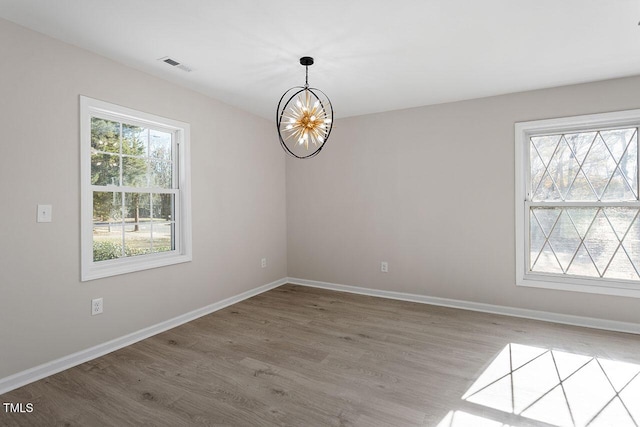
[556, 387]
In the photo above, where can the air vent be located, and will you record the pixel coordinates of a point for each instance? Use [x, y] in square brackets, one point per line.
[175, 63]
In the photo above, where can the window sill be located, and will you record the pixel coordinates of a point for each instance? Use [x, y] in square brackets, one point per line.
[623, 289]
[130, 265]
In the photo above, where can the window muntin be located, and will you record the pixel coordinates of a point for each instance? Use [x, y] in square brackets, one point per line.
[578, 208]
[135, 190]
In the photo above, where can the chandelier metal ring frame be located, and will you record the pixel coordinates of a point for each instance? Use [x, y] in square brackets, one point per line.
[305, 120]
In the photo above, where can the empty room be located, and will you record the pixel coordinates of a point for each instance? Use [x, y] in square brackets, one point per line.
[320, 213]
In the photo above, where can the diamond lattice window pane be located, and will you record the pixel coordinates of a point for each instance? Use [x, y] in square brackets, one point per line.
[595, 167]
[621, 267]
[537, 238]
[617, 140]
[599, 166]
[631, 243]
[580, 143]
[582, 219]
[618, 188]
[620, 219]
[547, 189]
[581, 189]
[623, 150]
[546, 261]
[601, 241]
[564, 240]
[563, 167]
[545, 146]
[538, 170]
[546, 217]
[542, 151]
[582, 264]
[629, 163]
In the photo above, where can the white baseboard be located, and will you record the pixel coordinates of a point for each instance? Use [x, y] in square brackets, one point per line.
[46, 369]
[34, 374]
[587, 322]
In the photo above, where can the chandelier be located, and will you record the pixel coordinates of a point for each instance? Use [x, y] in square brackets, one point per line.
[304, 118]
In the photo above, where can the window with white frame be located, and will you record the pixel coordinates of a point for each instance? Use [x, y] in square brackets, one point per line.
[577, 203]
[135, 190]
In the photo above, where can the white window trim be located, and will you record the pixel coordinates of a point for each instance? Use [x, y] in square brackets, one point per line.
[523, 132]
[94, 270]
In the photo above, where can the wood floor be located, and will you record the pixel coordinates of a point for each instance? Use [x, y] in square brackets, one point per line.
[302, 356]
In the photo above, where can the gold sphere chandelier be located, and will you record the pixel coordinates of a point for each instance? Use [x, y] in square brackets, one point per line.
[304, 118]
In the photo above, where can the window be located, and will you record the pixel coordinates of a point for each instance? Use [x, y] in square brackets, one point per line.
[577, 204]
[135, 190]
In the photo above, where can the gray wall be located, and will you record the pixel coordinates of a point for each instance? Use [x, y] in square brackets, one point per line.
[431, 191]
[238, 192]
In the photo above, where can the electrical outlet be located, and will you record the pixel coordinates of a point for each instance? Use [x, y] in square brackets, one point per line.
[264, 263]
[384, 266]
[96, 306]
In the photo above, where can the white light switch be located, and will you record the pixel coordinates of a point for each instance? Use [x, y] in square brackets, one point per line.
[44, 213]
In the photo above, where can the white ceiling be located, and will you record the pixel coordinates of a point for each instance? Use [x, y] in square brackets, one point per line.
[371, 55]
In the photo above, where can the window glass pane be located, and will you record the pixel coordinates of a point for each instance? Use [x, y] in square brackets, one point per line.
[163, 225]
[580, 144]
[137, 238]
[537, 238]
[563, 168]
[107, 241]
[586, 241]
[585, 166]
[163, 232]
[136, 207]
[161, 174]
[543, 257]
[107, 225]
[105, 169]
[622, 145]
[581, 189]
[617, 141]
[107, 207]
[105, 135]
[598, 166]
[544, 147]
[163, 206]
[135, 140]
[134, 171]
[160, 146]
[137, 230]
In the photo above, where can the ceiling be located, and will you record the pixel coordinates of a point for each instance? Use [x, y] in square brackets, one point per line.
[371, 55]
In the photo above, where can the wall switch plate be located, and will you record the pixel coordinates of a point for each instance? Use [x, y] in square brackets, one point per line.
[96, 306]
[44, 213]
[264, 263]
[384, 266]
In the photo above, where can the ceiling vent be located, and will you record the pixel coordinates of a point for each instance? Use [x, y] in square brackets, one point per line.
[175, 63]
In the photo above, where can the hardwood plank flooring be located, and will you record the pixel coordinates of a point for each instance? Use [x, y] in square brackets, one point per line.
[300, 356]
